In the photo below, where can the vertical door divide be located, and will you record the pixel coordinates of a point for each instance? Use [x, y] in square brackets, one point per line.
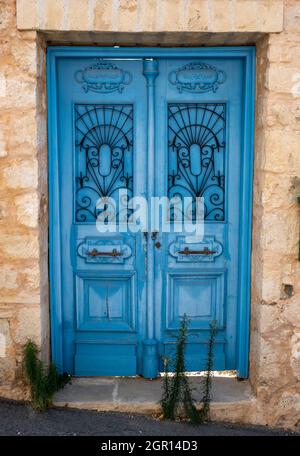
[150, 356]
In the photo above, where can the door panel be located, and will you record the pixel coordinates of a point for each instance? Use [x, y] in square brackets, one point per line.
[101, 143]
[155, 123]
[200, 138]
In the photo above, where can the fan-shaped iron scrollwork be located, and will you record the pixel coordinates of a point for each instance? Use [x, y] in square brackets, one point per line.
[104, 147]
[196, 156]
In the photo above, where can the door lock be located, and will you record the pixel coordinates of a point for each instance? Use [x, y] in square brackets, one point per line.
[158, 245]
[154, 235]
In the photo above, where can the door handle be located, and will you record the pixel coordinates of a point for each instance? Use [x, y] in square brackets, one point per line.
[96, 253]
[205, 251]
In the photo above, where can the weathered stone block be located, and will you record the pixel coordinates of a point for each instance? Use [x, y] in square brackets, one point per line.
[127, 15]
[147, 10]
[27, 325]
[54, 14]
[27, 209]
[198, 15]
[21, 174]
[246, 17]
[282, 152]
[8, 277]
[270, 13]
[27, 14]
[222, 16]
[103, 15]
[78, 14]
[3, 149]
[19, 246]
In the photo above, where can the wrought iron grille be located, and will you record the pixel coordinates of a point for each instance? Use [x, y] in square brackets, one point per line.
[104, 152]
[196, 140]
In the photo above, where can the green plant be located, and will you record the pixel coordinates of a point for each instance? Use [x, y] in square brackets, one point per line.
[42, 384]
[177, 393]
[177, 396]
[207, 383]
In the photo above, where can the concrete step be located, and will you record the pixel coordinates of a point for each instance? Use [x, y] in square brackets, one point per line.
[232, 400]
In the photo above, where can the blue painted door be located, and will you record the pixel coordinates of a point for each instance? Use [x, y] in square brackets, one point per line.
[199, 111]
[154, 123]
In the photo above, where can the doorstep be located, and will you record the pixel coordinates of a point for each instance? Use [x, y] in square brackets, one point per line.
[232, 400]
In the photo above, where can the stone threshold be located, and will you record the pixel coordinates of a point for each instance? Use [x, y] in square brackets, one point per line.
[232, 400]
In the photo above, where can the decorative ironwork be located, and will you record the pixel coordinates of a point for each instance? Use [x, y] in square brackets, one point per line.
[103, 77]
[104, 151]
[196, 156]
[197, 77]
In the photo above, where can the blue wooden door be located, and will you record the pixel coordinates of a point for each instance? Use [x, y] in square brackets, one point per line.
[151, 123]
[199, 142]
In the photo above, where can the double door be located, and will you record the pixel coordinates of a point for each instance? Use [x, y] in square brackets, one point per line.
[126, 133]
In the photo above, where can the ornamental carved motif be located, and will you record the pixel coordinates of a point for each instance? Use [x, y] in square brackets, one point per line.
[197, 77]
[103, 77]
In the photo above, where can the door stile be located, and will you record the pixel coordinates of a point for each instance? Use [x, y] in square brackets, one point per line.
[150, 356]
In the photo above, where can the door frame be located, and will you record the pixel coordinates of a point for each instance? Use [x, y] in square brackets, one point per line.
[247, 53]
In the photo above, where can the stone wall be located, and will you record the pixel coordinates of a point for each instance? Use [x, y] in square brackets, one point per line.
[274, 26]
[23, 212]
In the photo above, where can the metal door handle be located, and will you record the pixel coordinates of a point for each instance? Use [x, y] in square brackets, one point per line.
[96, 253]
[205, 251]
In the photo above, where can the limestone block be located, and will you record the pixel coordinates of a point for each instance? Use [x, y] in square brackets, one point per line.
[5, 339]
[291, 312]
[222, 16]
[3, 211]
[7, 363]
[246, 17]
[282, 152]
[54, 14]
[147, 10]
[280, 232]
[103, 15]
[27, 209]
[171, 15]
[2, 83]
[32, 277]
[277, 192]
[281, 78]
[27, 14]
[20, 92]
[19, 246]
[295, 360]
[21, 174]
[280, 114]
[27, 325]
[292, 16]
[23, 137]
[24, 53]
[3, 149]
[8, 277]
[127, 15]
[270, 13]
[7, 13]
[198, 15]
[78, 14]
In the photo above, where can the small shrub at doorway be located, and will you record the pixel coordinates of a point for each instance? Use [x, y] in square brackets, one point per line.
[207, 381]
[177, 396]
[43, 384]
[177, 400]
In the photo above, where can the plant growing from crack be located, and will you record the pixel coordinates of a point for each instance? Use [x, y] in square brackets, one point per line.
[177, 393]
[207, 381]
[43, 383]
